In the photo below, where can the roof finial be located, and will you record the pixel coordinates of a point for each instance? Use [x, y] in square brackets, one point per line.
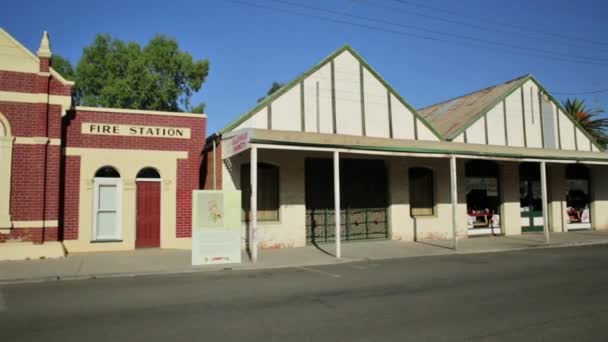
[45, 46]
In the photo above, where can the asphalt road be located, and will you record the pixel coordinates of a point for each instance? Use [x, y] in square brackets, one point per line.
[533, 295]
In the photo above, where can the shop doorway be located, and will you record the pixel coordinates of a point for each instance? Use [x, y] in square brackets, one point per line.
[148, 209]
[363, 198]
[530, 198]
[483, 197]
[578, 200]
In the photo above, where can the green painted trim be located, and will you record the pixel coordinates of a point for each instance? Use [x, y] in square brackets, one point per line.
[485, 128]
[417, 150]
[283, 90]
[390, 113]
[312, 70]
[532, 229]
[269, 116]
[504, 119]
[542, 122]
[559, 105]
[333, 96]
[559, 130]
[302, 108]
[523, 115]
[362, 95]
[489, 107]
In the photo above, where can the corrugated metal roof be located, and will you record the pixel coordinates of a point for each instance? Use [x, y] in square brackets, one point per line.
[449, 117]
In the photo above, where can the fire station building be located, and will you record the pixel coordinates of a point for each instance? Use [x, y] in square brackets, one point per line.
[89, 179]
[339, 150]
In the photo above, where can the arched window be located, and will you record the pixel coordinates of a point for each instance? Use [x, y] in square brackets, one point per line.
[148, 173]
[422, 191]
[6, 158]
[268, 192]
[107, 196]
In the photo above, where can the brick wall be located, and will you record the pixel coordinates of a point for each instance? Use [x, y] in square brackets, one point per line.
[207, 168]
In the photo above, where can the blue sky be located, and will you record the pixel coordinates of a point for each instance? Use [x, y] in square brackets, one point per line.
[250, 47]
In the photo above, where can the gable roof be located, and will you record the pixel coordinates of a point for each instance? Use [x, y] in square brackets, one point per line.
[452, 116]
[15, 48]
[309, 72]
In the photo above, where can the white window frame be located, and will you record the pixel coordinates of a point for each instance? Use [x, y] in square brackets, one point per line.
[97, 182]
[6, 159]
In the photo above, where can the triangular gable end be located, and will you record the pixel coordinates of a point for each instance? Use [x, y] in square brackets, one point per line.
[510, 120]
[342, 94]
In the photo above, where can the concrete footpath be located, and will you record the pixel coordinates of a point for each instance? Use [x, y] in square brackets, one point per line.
[159, 261]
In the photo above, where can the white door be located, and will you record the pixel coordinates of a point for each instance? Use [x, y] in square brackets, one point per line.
[106, 224]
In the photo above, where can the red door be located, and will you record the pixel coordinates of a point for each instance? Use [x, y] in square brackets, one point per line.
[148, 214]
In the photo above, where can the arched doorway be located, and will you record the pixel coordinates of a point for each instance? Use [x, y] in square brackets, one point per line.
[147, 233]
[483, 197]
[530, 198]
[578, 199]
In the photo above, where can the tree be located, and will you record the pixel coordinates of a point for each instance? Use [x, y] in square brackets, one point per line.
[114, 73]
[273, 88]
[589, 119]
[63, 67]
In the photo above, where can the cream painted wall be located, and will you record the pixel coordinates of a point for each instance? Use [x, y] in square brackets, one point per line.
[286, 111]
[556, 194]
[496, 125]
[476, 133]
[290, 230]
[376, 107]
[401, 223]
[6, 157]
[312, 102]
[424, 133]
[347, 94]
[459, 138]
[509, 191]
[128, 163]
[566, 129]
[514, 119]
[403, 120]
[550, 132]
[599, 195]
[582, 142]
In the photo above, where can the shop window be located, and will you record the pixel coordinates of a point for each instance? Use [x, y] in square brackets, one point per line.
[422, 199]
[483, 200]
[268, 192]
[107, 204]
[6, 150]
[577, 197]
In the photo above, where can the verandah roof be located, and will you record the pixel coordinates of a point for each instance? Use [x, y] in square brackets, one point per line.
[359, 143]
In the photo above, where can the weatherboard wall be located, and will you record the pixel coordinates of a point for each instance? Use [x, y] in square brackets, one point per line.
[527, 118]
[341, 96]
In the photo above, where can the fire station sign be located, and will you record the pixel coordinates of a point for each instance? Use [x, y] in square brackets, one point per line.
[135, 130]
[216, 227]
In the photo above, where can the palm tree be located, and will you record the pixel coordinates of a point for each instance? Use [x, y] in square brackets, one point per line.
[590, 119]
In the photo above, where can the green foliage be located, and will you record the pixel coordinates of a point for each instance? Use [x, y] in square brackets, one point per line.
[63, 67]
[199, 109]
[589, 119]
[114, 73]
[274, 87]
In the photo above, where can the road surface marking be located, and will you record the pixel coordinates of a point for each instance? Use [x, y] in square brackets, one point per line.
[320, 272]
[3, 306]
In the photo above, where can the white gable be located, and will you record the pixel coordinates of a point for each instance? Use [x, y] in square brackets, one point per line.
[527, 118]
[342, 96]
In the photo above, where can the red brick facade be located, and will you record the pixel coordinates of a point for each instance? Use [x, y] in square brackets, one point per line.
[45, 180]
